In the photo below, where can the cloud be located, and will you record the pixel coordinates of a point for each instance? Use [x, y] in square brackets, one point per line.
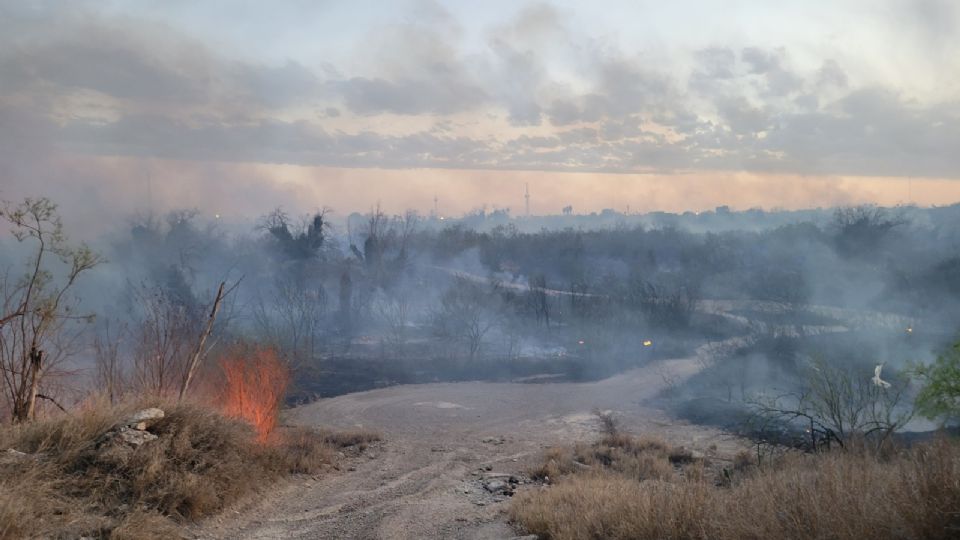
[105, 60]
[408, 97]
[716, 62]
[872, 132]
[535, 91]
[277, 86]
[831, 74]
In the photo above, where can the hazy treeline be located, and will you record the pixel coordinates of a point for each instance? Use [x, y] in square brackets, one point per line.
[420, 295]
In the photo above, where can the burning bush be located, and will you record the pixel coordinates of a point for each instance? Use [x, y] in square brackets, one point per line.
[255, 381]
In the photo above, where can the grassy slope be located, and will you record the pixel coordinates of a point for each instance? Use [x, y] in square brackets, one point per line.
[71, 486]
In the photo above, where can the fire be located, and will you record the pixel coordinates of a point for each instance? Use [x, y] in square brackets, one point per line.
[647, 343]
[255, 381]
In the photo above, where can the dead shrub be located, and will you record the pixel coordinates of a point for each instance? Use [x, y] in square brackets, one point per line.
[356, 437]
[608, 422]
[306, 451]
[743, 461]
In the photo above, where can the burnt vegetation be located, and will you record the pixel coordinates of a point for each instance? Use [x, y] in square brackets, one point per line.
[789, 315]
[383, 299]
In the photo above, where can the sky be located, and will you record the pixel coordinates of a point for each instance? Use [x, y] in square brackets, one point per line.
[237, 107]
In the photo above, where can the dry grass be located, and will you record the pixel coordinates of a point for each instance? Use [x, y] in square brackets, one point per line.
[843, 495]
[641, 458]
[356, 437]
[72, 486]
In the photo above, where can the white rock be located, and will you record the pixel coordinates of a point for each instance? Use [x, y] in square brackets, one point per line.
[496, 486]
[145, 417]
[135, 437]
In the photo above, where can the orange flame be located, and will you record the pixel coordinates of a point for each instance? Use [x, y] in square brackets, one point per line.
[255, 381]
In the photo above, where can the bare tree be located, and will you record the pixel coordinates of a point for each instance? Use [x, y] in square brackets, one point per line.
[297, 241]
[111, 372]
[394, 312]
[292, 317]
[836, 405]
[860, 230]
[385, 245]
[539, 299]
[200, 351]
[161, 341]
[662, 307]
[168, 343]
[465, 315]
[37, 307]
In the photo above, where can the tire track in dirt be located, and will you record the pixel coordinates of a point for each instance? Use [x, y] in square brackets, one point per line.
[437, 436]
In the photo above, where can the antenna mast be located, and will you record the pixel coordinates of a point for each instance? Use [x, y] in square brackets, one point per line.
[526, 197]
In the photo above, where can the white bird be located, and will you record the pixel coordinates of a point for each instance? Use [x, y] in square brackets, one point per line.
[876, 377]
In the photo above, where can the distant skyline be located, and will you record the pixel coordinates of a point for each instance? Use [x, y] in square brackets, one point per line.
[237, 107]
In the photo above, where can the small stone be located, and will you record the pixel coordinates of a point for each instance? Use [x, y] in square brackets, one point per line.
[135, 437]
[146, 417]
[496, 486]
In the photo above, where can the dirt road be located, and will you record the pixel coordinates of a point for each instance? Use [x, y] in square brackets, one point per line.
[425, 480]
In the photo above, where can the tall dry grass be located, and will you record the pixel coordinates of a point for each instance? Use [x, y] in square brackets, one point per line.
[72, 484]
[913, 493]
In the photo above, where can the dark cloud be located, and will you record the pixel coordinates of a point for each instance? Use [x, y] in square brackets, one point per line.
[741, 117]
[278, 86]
[563, 112]
[622, 88]
[831, 74]
[409, 97]
[760, 61]
[716, 62]
[869, 132]
[146, 69]
[769, 64]
[104, 60]
[516, 75]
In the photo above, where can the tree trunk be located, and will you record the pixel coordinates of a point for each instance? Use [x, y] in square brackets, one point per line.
[28, 412]
[198, 353]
